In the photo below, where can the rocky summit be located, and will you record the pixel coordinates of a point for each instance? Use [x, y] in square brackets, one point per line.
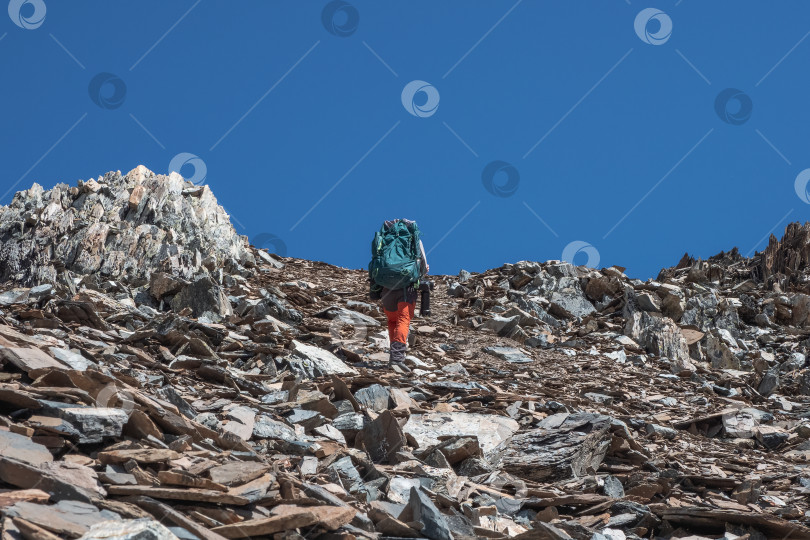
[163, 379]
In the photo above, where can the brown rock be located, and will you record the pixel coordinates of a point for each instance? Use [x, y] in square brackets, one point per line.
[29, 359]
[286, 517]
[190, 494]
[141, 455]
[237, 472]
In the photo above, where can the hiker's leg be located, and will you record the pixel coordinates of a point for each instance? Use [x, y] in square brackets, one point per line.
[403, 314]
[399, 334]
[392, 317]
[405, 311]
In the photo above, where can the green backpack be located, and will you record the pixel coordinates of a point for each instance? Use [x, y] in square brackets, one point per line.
[395, 258]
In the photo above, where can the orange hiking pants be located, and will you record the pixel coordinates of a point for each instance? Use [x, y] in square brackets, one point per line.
[399, 321]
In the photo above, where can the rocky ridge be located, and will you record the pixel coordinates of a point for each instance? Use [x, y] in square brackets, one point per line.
[122, 227]
[148, 391]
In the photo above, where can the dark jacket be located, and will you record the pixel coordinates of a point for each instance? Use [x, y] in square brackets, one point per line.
[392, 297]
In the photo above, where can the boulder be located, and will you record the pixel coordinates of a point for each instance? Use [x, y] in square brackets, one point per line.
[426, 429]
[310, 361]
[564, 447]
[203, 296]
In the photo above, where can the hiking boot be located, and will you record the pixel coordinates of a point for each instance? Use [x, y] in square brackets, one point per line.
[397, 354]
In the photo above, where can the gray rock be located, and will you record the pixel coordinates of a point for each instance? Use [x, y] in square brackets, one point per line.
[349, 424]
[562, 446]
[163, 284]
[308, 419]
[510, 354]
[91, 423]
[275, 397]
[375, 397]
[346, 474]
[455, 369]
[343, 406]
[399, 488]
[71, 359]
[474, 466]
[770, 382]
[437, 459]
[613, 488]
[661, 431]
[540, 340]
[13, 296]
[173, 396]
[491, 430]
[209, 420]
[311, 362]
[599, 398]
[203, 296]
[649, 302]
[22, 448]
[500, 325]
[658, 335]
[719, 353]
[268, 428]
[742, 424]
[771, 438]
[348, 317]
[41, 291]
[570, 304]
[130, 529]
[456, 290]
[422, 509]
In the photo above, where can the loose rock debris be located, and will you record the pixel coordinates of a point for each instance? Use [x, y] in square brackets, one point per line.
[154, 388]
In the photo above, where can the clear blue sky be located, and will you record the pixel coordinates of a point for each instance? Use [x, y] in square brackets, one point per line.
[305, 137]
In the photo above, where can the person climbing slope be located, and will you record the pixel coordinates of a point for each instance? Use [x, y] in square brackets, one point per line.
[398, 263]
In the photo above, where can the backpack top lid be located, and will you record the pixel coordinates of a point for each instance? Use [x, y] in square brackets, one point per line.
[388, 223]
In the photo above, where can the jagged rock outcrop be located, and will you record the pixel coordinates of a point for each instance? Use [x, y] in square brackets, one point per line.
[120, 227]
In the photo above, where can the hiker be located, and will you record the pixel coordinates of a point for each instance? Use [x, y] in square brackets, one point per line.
[398, 264]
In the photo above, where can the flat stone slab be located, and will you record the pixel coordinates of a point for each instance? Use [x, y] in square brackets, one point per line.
[311, 362]
[71, 359]
[347, 316]
[23, 448]
[512, 355]
[491, 430]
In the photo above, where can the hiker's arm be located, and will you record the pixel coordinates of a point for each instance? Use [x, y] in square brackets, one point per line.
[423, 259]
